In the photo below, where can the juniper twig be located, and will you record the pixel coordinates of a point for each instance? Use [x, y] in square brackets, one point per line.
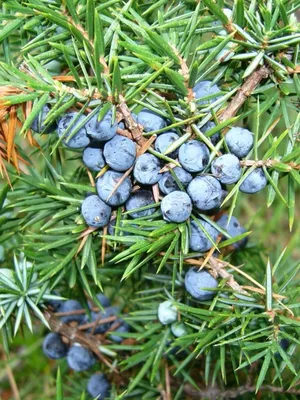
[244, 92]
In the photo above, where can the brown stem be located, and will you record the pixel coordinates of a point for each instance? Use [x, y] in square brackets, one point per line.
[244, 92]
[216, 393]
[124, 132]
[135, 128]
[96, 323]
[268, 164]
[75, 312]
[11, 378]
[75, 335]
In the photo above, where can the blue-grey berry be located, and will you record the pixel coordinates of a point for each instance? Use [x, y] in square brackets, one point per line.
[167, 312]
[206, 192]
[227, 169]
[216, 137]
[98, 386]
[150, 120]
[204, 89]
[167, 183]
[254, 182]
[95, 212]
[120, 153]
[123, 328]
[234, 228]
[101, 131]
[195, 281]
[139, 199]
[54, 347]
[78, 140]
[193, 156]
[80, 358]
[38, 123]
[164, 141]
[178, 329]
[67, 307]
[239, 141]
[198, 239]
[93, 158]
[176, 207]
[106, 185]
[146, 169]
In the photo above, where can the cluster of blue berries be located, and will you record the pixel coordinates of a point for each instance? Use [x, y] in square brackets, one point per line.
[80, 358]
[181, 188]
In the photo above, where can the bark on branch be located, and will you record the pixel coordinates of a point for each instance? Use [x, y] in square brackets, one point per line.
[244, 92]
[75, 335]
[216, 393]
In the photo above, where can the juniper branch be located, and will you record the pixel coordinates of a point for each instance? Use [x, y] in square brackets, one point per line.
[75, 335]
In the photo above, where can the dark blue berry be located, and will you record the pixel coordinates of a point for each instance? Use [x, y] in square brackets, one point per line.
[69, 306]
[95, 212]
[98, 386]
[164, 141]
[198, 239]
[167, 183]
[227, 169]
[107, 183]
[140, 198]
[54, 347]
[150, 120]
[193, 156]
[176, 207]
[204, 89]
[93, 158]
[101, 131]
[120, 153]
[239, 141]
[233, 228]
[284, 343]
[195, 282]
[80, 358]
[206, 192]
[254, 182]
[77, 140]
[146, 169]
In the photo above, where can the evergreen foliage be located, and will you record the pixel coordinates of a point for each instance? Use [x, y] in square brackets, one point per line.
[97, 57]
